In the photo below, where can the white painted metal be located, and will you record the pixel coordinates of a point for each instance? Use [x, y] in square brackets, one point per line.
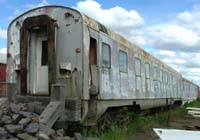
[38, 75]
[41, 85]
[175, 134]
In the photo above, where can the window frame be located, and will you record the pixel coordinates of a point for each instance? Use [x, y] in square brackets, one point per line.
[155, 75]
[160, 75]
[103, 44]
[126, 54]
[139, 60]
[147, 76]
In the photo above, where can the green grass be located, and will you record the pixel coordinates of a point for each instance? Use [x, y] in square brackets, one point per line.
[127, 124]
[195, 103]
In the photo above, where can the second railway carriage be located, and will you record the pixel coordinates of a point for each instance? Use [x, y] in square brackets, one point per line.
[56, 53]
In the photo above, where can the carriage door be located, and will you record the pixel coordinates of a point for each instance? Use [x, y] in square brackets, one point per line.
[93, 65]
[105, 61]
[42, 66]
[38, 63]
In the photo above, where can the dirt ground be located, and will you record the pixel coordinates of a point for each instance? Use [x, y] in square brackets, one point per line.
[185, 123]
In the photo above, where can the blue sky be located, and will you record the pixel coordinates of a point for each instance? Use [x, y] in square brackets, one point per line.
[152, 10]
[168, 29]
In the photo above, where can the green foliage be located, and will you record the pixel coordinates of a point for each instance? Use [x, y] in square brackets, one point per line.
[120, 125]
[195, 103]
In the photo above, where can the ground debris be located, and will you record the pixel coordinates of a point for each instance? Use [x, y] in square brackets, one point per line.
[60, 132]
[26, 136]
[14, 129]
[78, 136]
[6, 119]
[32, 128]
[11, 139]
[3, 133]
[25, 121]
[20, 121]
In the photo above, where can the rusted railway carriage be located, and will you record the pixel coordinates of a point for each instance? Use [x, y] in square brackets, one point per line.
[79, 67]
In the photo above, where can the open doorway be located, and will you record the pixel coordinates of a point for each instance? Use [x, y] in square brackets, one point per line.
[38, 62]
[37, 55]
[93, 78]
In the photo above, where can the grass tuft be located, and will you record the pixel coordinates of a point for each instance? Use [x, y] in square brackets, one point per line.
[121, 125]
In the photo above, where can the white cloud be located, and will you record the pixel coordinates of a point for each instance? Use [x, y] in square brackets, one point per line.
[26, 7]
[17, 12]
[125, 22]
[42, 3]
[173, 37]
[3, 50]
[185, 17]
[194, 70]
[180, 34]
[176, 43]
[166, 53]
[3, 33]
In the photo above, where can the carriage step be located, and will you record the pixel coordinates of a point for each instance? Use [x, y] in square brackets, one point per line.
[51, 114]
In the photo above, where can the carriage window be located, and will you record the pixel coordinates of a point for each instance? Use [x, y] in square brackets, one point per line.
[168, 79]
[137, 67]
[155, 73]
[161, 73]
[44, 58]
[123, 62]
[171, 79]
[105, 55]
[147, 70]
[163, 77]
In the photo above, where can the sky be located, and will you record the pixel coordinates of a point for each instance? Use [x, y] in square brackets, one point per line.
[169, 30]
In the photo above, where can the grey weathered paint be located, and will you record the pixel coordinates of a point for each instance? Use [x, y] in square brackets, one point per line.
[115, 88]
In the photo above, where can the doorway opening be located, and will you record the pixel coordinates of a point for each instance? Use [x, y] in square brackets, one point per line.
[37, 55]
[93, 73]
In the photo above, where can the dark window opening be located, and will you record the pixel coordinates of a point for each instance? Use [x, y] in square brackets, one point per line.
[44, 57]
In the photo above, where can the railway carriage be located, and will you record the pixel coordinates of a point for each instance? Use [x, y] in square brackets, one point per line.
[76, 65]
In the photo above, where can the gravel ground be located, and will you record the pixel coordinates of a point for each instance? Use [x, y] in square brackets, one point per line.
[20, 121]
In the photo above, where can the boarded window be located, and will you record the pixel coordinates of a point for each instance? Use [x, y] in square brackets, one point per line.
[147, 70]
[44, 53]
[123, 62]
[105, 55]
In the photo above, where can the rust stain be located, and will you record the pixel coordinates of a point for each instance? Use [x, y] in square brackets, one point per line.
[67, 25]
[123, 47]
[47, 10]
[30, 22]
[76, 20]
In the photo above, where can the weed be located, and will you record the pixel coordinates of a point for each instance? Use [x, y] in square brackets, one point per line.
[123, 124]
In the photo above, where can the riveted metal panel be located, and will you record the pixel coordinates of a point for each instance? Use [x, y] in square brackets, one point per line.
[68, 39]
